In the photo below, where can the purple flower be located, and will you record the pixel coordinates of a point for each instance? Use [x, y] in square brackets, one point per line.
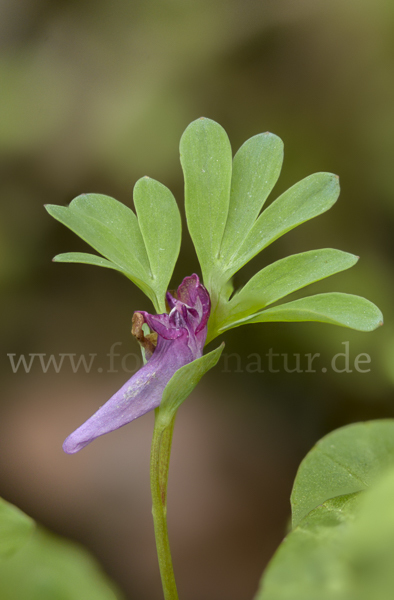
[181, 336]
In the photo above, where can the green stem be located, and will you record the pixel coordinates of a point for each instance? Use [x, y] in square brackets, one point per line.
[159, 465]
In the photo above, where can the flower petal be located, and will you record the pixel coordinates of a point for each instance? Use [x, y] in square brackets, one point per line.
[141, 394]
[181, 337]
[192, 293]
[163, 325]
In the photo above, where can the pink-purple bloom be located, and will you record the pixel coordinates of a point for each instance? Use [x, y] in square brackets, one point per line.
[181, 336]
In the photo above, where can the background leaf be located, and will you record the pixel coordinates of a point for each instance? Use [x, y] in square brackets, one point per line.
[370, 544]
[309, 564]
[15, 529]
[342, 543]
[343, 462]
[207, 163]
[52, 568]
[342, 550]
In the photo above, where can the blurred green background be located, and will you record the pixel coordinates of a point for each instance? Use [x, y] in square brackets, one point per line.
[94, 95]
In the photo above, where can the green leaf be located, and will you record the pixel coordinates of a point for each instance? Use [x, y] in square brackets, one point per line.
[256, 169]
[207, 163]
[160, 223]
[335, 308]
[309, 564]
[342, 546]
[343, 462]
[109, 227]
[51, 568]
[183, 382]
[15, 529]
[306, 199]
[112, 229]
[342, 550]
[86, 259]
[370, 545]
[286, 276]
[223, 204]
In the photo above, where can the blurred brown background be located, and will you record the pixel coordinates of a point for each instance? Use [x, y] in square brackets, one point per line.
[94, 95]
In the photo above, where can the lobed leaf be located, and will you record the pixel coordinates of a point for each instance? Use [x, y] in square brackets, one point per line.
[207, 164]
[160, 223]
[256, 168]
[335, 308]
[306, 199]
[285, 276]
[86, 259]
[109, 227]
[145, 250]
